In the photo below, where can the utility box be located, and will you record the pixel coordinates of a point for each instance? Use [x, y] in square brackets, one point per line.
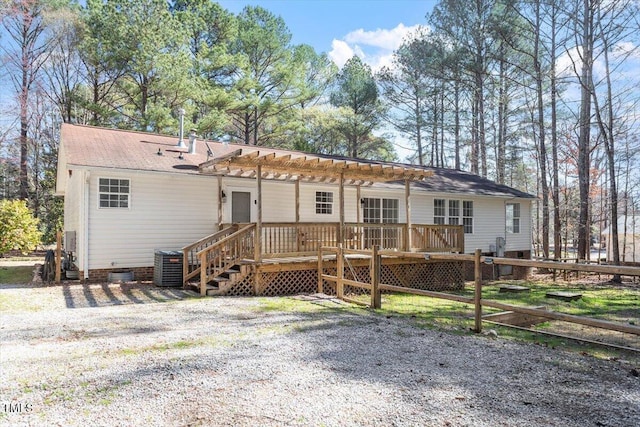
[167, 268]
[70, 241]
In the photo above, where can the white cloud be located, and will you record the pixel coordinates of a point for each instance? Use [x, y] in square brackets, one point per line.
[626, 48]
[340, 52]
[373, 47]
[381, 38]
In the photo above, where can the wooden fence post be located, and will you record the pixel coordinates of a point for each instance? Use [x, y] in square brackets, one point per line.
[340, 272]
[376, 301]
[478, 292]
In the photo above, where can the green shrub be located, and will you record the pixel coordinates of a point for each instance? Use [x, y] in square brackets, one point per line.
[18, 227]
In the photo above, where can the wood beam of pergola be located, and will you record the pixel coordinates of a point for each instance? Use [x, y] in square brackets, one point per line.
[312, 166]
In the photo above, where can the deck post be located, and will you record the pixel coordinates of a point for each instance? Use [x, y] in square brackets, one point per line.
[297, 188]
[407, 200]
[320, 281]
[341, 196]
[478, 291]
[203, 274]
[340, 272]
[375, 277]
[219, 202]
[258, 240]
[358, 232]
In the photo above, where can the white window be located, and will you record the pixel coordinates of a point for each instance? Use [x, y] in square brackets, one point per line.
[324, 202]
[513, 218]
[454, 212]
[113, 193]
[390, 211]
[467, 216]
[439, 212]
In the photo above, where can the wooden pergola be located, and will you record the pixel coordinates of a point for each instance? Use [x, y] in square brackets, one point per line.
[296, 167]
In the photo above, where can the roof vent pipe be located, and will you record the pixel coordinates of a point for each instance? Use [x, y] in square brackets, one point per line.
[192, 142]
[181, 143]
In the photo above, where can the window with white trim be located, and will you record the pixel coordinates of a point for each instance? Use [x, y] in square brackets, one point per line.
[439, 211]
[113, 193]
[513, 218]
[467, 216]
[390, 211]
[454, 212]
[324, 202]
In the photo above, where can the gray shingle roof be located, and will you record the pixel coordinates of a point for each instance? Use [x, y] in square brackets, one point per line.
[89, 146]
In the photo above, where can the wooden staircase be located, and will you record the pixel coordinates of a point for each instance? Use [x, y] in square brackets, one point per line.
[220, 284]
[220, 260]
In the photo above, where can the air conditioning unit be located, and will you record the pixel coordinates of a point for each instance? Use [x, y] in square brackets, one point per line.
[167, 268]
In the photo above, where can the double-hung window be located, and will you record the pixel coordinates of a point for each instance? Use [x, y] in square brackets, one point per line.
[513, 218]
[454, 212]
[324, 202]
[439, 211]
[467, 216]
[113, 193]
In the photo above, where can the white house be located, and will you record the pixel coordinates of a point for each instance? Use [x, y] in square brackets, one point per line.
[628, 239]
[128, 194]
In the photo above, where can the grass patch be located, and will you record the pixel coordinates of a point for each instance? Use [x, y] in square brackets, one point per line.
[176, 345]
[12, 303]
[266, 305]
[430, 313]
[16, 275]
[619, 305]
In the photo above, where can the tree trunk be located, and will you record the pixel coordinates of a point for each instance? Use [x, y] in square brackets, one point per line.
[557, 241]
[542, 139]
[456, 130]
[419, 131]
[585, 131]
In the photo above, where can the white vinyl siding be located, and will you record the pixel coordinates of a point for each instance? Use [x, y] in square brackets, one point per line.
[73, 207]
[169, 212]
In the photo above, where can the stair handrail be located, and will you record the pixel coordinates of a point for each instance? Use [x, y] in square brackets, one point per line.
[220, 264]
[190, 259]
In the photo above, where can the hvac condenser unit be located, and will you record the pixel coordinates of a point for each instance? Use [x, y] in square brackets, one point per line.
[167, 269]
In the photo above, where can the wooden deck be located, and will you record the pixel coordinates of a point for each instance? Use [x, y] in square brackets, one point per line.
[239, 260]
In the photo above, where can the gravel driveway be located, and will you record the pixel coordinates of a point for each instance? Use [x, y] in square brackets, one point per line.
[130, 355]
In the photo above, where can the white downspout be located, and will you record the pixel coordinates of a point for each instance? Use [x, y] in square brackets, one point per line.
[85, 243]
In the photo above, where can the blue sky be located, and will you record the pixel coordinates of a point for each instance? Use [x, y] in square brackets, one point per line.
[372, 29]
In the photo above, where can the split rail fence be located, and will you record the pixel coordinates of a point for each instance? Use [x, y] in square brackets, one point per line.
[375, 287]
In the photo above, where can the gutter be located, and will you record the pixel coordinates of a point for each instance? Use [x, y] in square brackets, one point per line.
[85, 245]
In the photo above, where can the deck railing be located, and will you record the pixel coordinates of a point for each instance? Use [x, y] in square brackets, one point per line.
[282, 239]
[366, 236]
[437, 238]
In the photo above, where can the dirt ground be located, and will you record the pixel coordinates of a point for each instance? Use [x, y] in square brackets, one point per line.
[135, 354]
